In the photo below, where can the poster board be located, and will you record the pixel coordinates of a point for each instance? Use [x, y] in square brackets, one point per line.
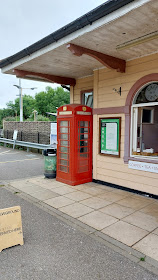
[53, 134]
[110, 133]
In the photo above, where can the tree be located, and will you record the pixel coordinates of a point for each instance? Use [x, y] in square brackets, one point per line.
[28, 105]
[47, 101]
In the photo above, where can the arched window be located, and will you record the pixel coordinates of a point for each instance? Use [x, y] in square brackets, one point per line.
[144, 122]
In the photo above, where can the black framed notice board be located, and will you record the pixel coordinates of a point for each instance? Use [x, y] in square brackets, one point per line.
[110, 134]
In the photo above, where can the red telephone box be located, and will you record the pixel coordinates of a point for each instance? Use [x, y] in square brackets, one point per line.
[74, 148]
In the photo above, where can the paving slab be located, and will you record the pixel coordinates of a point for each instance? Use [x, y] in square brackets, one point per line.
[95, 202]
[98, 220]
[117, 211]
[93, 191]
[151, 209]
[149, 246]
[111, 196]
[126, 233]
[155, 231]
[76, 210]
[45, 194]
[77, 195]
[134, 203]
[142, 220]
[64, 190]
[59, 201]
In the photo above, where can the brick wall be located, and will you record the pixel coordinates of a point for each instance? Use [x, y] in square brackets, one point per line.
[36, 132]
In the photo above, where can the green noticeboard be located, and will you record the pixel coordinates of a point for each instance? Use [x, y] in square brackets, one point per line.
[110, 136]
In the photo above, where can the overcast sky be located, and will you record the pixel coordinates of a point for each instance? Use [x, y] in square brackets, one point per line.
[23, 23]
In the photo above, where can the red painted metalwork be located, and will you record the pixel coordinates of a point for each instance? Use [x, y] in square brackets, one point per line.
[107, 60]
[47, 77]
[74, 148]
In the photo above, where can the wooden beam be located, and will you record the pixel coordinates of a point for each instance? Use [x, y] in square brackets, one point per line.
[107, 60]
[46, 77]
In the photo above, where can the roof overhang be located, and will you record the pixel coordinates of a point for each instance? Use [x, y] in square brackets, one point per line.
[127, 32]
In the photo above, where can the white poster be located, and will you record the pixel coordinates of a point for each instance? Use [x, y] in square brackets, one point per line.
[54, 128]
[53, 135]
[111, 136]
[15, 134]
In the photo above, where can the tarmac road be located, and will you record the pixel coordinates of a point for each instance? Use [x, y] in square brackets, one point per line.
[54, 250]
[16, 164]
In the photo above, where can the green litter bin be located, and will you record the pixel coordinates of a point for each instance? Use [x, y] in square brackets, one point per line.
[49, 163]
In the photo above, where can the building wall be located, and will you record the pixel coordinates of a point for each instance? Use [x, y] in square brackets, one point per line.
[82, 84]
[106, 168]
[36, 132]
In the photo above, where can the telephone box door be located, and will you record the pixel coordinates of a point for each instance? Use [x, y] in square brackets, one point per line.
[84, 149]
[63, 152]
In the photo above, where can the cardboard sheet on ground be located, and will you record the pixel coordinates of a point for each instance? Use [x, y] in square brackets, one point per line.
[10, 227]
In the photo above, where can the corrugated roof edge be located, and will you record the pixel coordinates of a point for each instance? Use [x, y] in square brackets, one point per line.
[89, 18]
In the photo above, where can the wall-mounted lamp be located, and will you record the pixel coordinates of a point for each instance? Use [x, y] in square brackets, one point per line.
[118, 91]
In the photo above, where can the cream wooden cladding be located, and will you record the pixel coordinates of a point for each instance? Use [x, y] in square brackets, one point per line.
[10, 227]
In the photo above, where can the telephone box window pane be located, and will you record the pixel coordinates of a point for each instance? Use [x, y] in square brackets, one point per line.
[64, 129]
[64, 136]
[83, 124]
[64, 156]
[64, 143]
[63, 162]
[83, 136]
[84, 149]
[63, 168]
[64, 123]
[83, 143]
[64, 149]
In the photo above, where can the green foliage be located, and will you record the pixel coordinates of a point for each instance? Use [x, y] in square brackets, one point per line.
[48, 100]
[28, 105]
[9, 119]
[142, 259]
[41, 118]
[45, 101]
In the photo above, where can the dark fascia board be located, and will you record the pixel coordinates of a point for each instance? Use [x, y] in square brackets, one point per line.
[87, 19]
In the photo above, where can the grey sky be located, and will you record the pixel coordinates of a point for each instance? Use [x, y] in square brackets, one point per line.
[22, 23]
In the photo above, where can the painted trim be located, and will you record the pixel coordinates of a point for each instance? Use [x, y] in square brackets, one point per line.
[141, 159]
[134, 89]
[107, 60]
[47, 77]
[109, 110]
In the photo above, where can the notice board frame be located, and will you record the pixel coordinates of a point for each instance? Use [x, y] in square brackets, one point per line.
[111, 120]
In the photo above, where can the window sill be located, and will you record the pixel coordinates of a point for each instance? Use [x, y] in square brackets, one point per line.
[144, 159]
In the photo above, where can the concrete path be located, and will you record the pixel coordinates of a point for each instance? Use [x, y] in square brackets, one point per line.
[56, 248]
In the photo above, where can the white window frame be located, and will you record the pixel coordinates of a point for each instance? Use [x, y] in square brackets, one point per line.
[134, 121]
